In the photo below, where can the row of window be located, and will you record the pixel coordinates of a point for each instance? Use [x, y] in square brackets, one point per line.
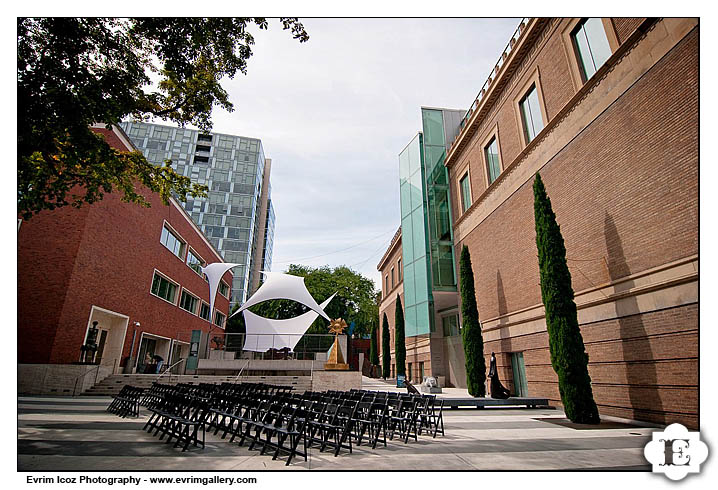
[175, 244]
[393, 282]
[165, 288]
[592, 50]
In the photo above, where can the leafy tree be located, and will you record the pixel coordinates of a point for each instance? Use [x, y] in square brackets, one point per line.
[568, 354]
[75, 72]
[385, 354]
[399, 343]
[471, 332]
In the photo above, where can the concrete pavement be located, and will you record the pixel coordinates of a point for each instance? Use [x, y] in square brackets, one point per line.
[77, 434]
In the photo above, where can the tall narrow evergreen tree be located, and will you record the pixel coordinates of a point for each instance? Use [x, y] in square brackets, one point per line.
[568, 354]
[399, 343]
[385, 355]
[471, 332]
[373, 349]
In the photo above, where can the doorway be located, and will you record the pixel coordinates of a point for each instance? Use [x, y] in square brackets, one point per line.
[109, 338]
[519, 370]
[151, 346]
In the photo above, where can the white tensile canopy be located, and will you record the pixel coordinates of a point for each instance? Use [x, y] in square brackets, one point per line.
[264, 333]
[214, 273]
[284, 286]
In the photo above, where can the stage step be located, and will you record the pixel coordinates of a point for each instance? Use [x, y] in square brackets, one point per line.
[114, 383]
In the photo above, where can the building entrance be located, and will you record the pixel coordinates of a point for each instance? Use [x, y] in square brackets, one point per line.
[519, 371]
[109, 338]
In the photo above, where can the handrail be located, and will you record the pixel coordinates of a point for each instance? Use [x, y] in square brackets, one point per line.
[240, 371]
[74, 389]
[167, 370]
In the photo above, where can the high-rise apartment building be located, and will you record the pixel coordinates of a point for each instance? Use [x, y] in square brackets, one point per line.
[237, 215]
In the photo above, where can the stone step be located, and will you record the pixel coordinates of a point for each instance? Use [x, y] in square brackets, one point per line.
[114, 383]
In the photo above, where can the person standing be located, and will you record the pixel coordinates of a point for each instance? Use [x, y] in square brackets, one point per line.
[497, 389]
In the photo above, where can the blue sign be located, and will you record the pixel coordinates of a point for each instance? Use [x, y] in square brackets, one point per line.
[400, 381]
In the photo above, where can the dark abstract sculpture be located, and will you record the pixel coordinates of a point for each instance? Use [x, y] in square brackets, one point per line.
[497, 389]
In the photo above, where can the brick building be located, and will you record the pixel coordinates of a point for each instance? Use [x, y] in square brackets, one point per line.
[607, 111]
[121, 265]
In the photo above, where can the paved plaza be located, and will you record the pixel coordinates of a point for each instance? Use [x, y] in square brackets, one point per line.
[77, 434]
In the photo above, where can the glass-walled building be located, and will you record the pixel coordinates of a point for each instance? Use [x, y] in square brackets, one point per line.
[233, 167]
[430, 297]
[427, 245]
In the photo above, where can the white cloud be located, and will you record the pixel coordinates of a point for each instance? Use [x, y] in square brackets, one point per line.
[334, 113]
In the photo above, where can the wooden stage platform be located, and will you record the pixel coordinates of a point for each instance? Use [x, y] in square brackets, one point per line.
[513, 401]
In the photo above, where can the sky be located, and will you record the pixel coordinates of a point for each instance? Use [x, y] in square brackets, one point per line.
[333, 114]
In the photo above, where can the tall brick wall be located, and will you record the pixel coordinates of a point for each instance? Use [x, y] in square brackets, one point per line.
[103, 254]
[45, 262]
[625, 26]
[625, 193]
[388, 302]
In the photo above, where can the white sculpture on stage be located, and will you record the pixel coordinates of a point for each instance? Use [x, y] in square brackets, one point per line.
[265, 333]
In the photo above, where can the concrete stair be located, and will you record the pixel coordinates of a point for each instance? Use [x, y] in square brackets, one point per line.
[114, 383]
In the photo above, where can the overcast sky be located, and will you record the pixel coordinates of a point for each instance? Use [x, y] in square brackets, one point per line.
[333, 114]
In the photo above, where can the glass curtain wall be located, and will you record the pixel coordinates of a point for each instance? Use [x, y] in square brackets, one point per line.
[427, 237]
[414, 242]
[441, 247]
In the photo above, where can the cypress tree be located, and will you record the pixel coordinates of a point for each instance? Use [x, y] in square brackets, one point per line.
[399, 344]
[568, 354]
[373, 347]
[385, 356]
[471, 332]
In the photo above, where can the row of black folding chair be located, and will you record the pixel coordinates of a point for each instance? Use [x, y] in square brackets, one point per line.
[126, 402]
[179, 418]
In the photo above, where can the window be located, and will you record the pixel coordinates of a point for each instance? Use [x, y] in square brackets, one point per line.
[386, 284]
[392, 278]
[204, 311]
[173, 243]
[450, 325]
[591, 45]
[531, 114]
[219, 319]
[163, 288]
[204, 137]
[194, 262]
[188, 302]
[223, 289]
[491, 152]
[465, 187]
[398, 267]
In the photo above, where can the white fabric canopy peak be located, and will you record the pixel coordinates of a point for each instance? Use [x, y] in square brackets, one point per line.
[264, 333]
[214, 274]
[284, 286]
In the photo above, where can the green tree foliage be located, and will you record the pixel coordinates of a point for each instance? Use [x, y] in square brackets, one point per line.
[568, 354]
[399, 343]
[75, 72]
[354, 302]
[385, 346]
[471, 331]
